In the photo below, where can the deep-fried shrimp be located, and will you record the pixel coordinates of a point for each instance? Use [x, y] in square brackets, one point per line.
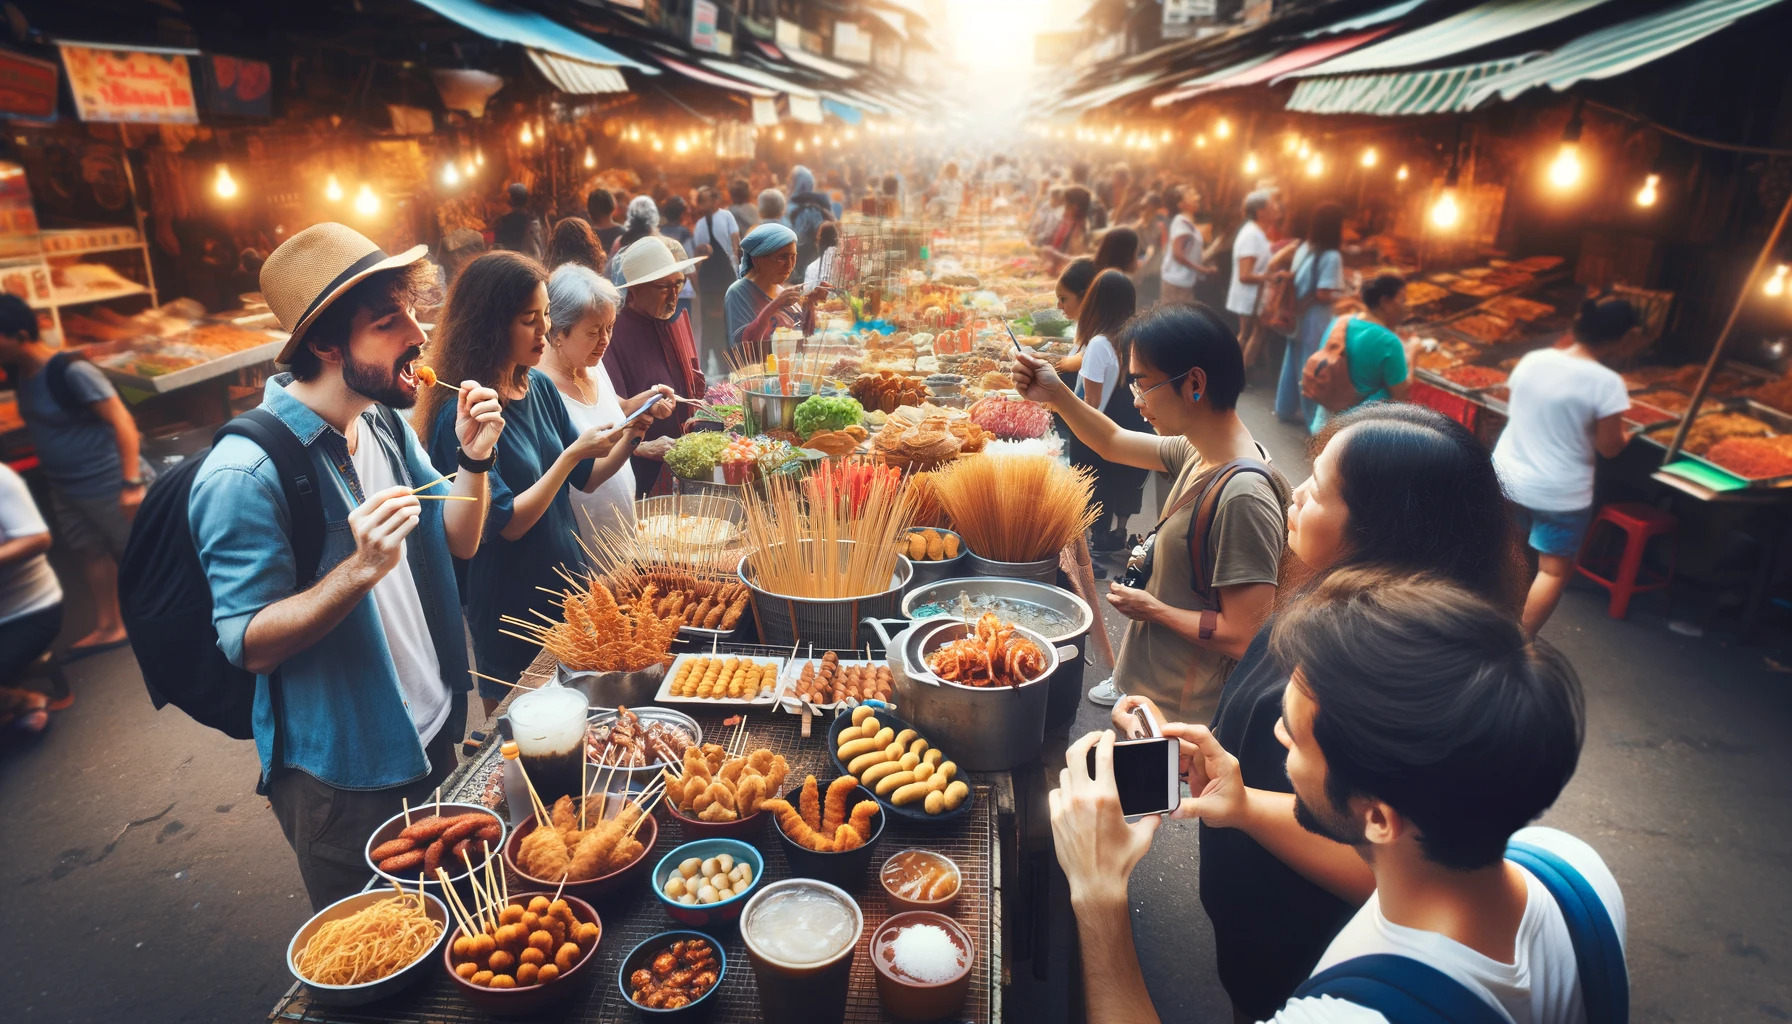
[809, 800]
[833, 811]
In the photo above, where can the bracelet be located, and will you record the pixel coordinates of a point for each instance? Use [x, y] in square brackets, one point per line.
[132, 483]
[1209, 621]
[472, 465]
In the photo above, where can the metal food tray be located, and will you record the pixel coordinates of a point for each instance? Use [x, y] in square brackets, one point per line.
[1434, 377]
[634, 915]
[664, 695]
[174, 381]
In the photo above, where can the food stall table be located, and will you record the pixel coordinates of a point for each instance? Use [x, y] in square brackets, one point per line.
[632, 915]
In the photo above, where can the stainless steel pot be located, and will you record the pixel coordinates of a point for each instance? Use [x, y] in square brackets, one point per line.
[1067, 681]
[765, 408]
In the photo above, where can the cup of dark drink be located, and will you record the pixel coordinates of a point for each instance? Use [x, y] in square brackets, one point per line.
[800, 935]
[549, 725]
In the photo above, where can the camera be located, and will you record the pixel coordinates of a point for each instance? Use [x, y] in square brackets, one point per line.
[1138, 565]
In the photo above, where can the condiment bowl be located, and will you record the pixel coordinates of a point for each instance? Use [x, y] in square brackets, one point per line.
[379, 988]
[591, 888]
[643, 955]
[707, 915]
[528, 998]
[917, 1000]
[457, 871]
[899, 904]
[846, 870]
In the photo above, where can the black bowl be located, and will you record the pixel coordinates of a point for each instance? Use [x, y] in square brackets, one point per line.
[846, 870]
[642, 954]
[914, 812]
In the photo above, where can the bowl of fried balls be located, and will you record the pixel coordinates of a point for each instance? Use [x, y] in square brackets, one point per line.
[529, 957]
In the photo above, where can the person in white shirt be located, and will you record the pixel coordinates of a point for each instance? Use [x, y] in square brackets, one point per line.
[1565, 409]
[1251, 252]
[716, 234]
[1184, 262]
[820, 272]
[1424, 732]
[30, 601]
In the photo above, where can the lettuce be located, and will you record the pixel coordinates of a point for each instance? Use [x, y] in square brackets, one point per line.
[825, 412]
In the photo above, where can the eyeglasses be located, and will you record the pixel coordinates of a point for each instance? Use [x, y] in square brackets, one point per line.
[1139, 394]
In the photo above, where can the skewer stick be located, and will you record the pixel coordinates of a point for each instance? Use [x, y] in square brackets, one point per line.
[440, 383]
[519, 636]
[583, 792]
[406, 802]
[500, 682]
[444, 497]
[438, 801]
[437, 480]
[562, 888]
[480, 899]
[645, 811]
[494, 885]
[452, 899]
[541, 812]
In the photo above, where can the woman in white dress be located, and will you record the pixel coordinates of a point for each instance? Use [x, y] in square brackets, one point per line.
[581, 314]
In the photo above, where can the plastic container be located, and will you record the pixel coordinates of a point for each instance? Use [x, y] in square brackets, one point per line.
[516, 790]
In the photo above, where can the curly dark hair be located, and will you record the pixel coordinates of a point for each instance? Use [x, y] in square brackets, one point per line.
[573, 241]
[472, 341]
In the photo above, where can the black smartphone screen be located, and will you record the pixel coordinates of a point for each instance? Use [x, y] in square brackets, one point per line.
[1144, 775]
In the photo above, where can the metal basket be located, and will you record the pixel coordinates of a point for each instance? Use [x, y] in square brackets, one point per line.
[828, 623]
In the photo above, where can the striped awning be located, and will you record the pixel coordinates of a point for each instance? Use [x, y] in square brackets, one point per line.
[1411, 92]
[762, 79]
[578, 77]
[1618, 48]
[1468, 30]
[1385, 14]
[719, 81]
[1278, 64]
[533, 30]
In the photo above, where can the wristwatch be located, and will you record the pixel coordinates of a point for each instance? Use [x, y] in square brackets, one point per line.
[472, 465]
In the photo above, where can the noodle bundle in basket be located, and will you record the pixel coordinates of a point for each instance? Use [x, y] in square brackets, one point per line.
[1016, 508]
[841, 543]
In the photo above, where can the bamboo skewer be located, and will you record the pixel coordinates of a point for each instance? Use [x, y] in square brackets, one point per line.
[444, 497]
[541, 812]
[406, 802]
[481, 905]
[493, 885]
[454, 904]
[437, 480]
[495, 679]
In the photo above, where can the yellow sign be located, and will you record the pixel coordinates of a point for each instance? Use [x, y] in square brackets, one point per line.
[130, 85]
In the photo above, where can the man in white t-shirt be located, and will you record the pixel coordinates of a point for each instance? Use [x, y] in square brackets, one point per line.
[30, 602]
[1423, 732]
[717, 235]
[1250, 268]
[1184, 261]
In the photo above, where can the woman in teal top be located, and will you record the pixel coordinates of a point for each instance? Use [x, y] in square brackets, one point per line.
[1375, 354]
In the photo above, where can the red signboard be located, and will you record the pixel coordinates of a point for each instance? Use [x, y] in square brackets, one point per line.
[27, 87]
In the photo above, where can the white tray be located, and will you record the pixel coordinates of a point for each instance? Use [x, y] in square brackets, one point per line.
[787, 684]
[664, 695]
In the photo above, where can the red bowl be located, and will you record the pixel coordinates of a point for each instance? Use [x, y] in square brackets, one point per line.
[591, 888]
[916, 1000]
[509, 1001]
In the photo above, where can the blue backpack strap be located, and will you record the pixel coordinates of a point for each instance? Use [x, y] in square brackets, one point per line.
[1404, 990]
[1598, 955]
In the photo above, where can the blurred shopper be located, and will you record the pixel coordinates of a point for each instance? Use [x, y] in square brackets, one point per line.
[600, 207]
[1318, 281]
[772, 207]
[1250, 268]
[820, 271]
[643, 221]
[1046, 216]
[573, 241]
[742, 206]
[1070, 238]
[1184, 261]
[946, 196]
[809, 210]
[1374, 355]
[672, 214]
[760, 301]
[717, 238]
[1118, 250]
[518, 229]
[1106, 352]
[653, 346]
[30, 604]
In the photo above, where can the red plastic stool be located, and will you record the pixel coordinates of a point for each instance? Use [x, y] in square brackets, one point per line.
[1640, 524]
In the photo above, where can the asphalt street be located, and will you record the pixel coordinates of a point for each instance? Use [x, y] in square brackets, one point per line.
[146, 881]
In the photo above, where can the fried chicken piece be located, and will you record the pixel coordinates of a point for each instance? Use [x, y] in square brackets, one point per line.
[847, 838]
[862, 813]
[833, 811]
[795, 827]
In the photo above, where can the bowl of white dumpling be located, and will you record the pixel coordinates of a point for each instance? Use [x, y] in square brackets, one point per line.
[706, 883]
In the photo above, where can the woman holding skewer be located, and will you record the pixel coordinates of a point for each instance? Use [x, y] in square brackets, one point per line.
[494, 329]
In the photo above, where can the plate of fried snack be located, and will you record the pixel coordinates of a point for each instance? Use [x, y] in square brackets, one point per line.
[593, 845]
[829, 836]
[716, 792]
[825, 681]
[909, 777]
[720, 679]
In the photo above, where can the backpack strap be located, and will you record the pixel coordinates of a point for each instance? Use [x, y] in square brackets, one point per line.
[1598, 955]
[1206, 508]
[1404, 990]
[56, 379]
[304, 501]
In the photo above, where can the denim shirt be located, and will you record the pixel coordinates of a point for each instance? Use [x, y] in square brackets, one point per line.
[344, 716]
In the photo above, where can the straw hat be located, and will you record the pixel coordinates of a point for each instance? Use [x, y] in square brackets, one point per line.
[649, 259]
[313, 268]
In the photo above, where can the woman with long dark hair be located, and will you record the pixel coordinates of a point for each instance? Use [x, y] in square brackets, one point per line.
[1108, 304]
[573, 241]
[1394, 487]
[1073, 284]
[494, 330]
[1118, 250]
[1070, 238]
[1318, 282]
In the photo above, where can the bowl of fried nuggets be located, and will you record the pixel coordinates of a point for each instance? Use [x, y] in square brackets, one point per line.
[936, 554]
[716, 796]
[829, 835]
[595, 856]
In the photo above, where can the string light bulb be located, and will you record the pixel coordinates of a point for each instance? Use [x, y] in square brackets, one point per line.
[1647, 195]
[1369, 157]
[1315, 166]
[1250, 163]
[225, 185]
[1776, 285]
[333, 190]
[679, 145]
[779, 135]
[527, 135]
[799, 145]
[1564, 170]
[366, 203]
[1223, 128]
[1304, 151]
[1201, 142]
[1445, 213]
[1164, 136]
[1402, 174]
[590, 158]
[479, 157]
[468, 168]
[450, 174]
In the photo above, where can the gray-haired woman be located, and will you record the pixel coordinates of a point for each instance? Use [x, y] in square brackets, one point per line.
[581, 314]
[643, 220]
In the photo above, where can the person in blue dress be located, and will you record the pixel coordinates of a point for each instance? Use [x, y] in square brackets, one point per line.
[1318, 268]
[494, 330]
[1377, 357]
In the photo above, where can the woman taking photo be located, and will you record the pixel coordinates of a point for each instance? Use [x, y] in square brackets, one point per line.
[1188, 625]
[1318, 282]
[1397, 487]
[581, 318]
[761, 301]
[1106, 307]
[494, 330]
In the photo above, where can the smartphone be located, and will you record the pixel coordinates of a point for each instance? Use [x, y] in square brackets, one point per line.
[1145, 772]
[646, 407]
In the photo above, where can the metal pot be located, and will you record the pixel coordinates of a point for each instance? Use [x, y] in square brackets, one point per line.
[1067, 681]
[610, 689]
[1045, 570]
[766, 408]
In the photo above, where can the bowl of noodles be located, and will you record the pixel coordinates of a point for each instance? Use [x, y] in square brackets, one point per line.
[367, 946]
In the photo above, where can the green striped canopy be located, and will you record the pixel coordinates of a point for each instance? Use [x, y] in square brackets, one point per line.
[1413, 92]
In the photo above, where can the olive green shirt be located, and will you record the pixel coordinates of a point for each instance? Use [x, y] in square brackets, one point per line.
[1244, 545]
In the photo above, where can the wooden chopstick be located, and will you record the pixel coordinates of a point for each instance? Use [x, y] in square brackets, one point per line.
[444, 497]
[437, 480]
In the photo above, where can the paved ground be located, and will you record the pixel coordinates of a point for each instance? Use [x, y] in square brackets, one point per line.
[145, 881]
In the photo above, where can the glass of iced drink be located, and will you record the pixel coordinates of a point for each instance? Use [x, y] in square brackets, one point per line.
[549, 726]
[800, 936]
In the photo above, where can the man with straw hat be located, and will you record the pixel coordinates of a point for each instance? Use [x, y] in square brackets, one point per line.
[652, 344]
[370, 693]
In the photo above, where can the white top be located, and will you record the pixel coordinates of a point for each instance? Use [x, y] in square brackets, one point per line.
[1174, 271]
[400, 609]
[1540, 986]
[1251, 241]
[1101, 365]
[726, 228]
[28, 586]
[812, 272]
[617, 494]
[1545, 455]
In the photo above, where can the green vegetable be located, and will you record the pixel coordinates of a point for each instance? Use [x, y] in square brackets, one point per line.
[694, 456]
[825, 412]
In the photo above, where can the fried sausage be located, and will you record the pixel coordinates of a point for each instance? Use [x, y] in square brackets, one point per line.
[464, 826]
[402, 863]
[426, 830]
[385, 851]
[490, 832]
[432, 858]
[464, 848]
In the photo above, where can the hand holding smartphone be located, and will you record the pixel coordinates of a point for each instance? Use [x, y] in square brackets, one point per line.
[1146, 772]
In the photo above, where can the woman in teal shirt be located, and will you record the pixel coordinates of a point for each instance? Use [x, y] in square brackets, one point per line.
[1375, 354]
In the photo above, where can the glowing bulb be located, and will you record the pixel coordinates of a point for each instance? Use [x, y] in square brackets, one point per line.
[527, 135]
[333, 190]
[1369, 157]
[590, 158]
[658, 146]
[1290, 143]
[1304, 151]
[849, 135]
[1564, 172]
[799, 145]
[450, 174]
[1250, 163]
[835, 142]
[1200, 142]
[1646, 195]
[1776, 285]
[1402, 174]
[1445, 213]
[468, 168]
[366, 203]
[225, 185]
[779, 135]
[479, 157]
[1223, 128]
[815, 139]
[679, 145]
[1164, 136]
[1315, 166]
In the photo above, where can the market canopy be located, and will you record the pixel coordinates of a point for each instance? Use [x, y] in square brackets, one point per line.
[1468, 30]
[804, 59]
[719, 81]
[805, 103]
[893, 21]
[577, 77]
[532, 30]
[1259, 71]
[1617, 48]
[1407, 92]
[1105, 94]
[1399, 10]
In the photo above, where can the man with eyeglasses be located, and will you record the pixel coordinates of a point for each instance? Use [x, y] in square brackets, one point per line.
[652, 344]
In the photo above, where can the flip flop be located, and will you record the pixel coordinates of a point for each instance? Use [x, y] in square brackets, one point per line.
[77, 653]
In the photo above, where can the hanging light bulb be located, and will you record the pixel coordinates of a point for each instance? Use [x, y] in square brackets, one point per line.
[1316, 166]
[450, 174]
[468, 168]
[541, 128]
[799, 145]
[479, 157]
[1304, 151]
[1164, 136]
[1564, 171]
[366, 203]
[590, 158]
[849, 135]
[1776, 285]
[1223, 128]
[1402, 174]
[527, 135]
[1201, 142]
[815, 139]
[658, 146]
[1369, 157]
[1290, 143]
[1445, 213]
[225, 185]
[1647, 195]
[333, 190]
[779, 135]
[1250, 163]
[679, 145]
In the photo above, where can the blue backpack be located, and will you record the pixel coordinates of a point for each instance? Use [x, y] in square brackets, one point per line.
[1408, 991]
